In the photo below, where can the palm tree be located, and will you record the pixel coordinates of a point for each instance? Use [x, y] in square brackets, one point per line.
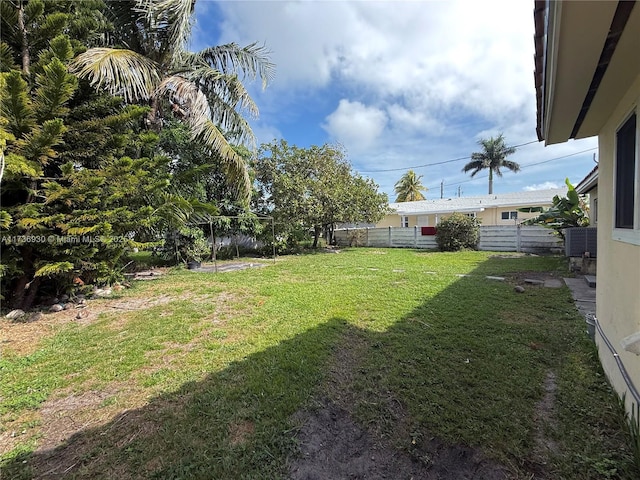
[147, 61]
[408, 188]
[493, 157]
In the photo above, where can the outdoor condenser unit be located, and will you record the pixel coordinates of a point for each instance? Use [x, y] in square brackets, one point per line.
[580, 240]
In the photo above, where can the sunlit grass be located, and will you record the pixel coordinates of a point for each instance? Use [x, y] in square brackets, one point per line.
[216, 370]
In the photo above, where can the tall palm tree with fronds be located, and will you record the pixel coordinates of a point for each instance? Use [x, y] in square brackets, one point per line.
[146, 60]
[493, 157]
[409, 188]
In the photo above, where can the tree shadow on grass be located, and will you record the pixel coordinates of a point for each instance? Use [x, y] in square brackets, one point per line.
[339, 401]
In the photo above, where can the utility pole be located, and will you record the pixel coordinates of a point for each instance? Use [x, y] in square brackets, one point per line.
[442, 189]
[459, 191]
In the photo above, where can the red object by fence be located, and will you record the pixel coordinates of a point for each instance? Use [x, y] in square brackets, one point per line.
[429, 230]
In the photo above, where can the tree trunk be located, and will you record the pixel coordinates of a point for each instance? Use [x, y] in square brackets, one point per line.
[31, 295]
[19, 297]
[330, 233]
[26, 59]
[316, 235]
[490, 181]
[154, 118]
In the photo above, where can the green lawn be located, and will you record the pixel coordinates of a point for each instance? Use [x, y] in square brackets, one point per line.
[199, 375]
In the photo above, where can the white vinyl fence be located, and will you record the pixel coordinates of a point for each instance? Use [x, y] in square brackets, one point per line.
[512, 238]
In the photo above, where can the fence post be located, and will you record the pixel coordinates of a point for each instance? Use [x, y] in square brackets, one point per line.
[415, 236]
[389, 236]
[367, 237]
[518, 240]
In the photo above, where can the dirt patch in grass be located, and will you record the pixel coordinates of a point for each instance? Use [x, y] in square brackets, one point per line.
[520, 277]
[62, 417]
[121, 431]
[544, 421]
[332, 444]
[240, 432]
[23, 338]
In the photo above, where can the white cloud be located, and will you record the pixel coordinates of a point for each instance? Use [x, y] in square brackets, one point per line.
[542, 186]
[420, 82]
[439, 55]
[356, 126]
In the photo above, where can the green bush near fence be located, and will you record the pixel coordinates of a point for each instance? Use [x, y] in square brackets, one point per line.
[458, 232]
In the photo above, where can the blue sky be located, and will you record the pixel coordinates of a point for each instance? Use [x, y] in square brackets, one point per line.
[400, 84]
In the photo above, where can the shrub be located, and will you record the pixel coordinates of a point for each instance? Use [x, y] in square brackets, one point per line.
[457, 232]
[185, 245]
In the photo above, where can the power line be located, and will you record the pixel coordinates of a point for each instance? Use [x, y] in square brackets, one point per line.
[435, 163]
[523, 167]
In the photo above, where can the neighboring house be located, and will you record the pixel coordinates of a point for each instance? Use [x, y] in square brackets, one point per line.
[587, 72]
[589, 186]
[494, 209]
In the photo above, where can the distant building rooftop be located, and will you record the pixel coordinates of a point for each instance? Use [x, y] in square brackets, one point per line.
[589, 182]
[531, 198]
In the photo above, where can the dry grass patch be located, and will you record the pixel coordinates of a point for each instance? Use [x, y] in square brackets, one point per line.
[240, 432]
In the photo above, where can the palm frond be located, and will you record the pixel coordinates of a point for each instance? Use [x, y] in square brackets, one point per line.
[187, 95]
[227, 87]
[234, 165]
[251, 61]
[173, 209]
[475, 165]
[121, 72]
[172, 17]
[513, 166]
[232, 122]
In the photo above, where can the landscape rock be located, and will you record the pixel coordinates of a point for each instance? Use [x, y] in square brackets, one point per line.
[56, 308]
[68, 306]
[13, 314]
[35, 316]
[519, 289]
[64, 298]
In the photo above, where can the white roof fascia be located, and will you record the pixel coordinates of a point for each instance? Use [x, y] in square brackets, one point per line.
[551, 55]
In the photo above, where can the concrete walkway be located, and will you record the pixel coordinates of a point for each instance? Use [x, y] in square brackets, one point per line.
[583, 295]
[228, 267]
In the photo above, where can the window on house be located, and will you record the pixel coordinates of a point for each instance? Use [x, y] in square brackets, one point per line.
[513, 215]
[626, 174]
[404, 221]
[471, 215]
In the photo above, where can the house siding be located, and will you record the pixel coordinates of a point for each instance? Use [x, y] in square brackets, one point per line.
[618, 270]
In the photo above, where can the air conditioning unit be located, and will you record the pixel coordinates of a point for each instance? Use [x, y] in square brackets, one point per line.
[579, 241]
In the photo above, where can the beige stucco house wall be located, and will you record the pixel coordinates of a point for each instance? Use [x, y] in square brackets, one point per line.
[589, 85]
[618, 290]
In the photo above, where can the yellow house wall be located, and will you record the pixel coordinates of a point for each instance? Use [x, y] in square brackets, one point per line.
[618, 269]
[489, 216]
[393, 220]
